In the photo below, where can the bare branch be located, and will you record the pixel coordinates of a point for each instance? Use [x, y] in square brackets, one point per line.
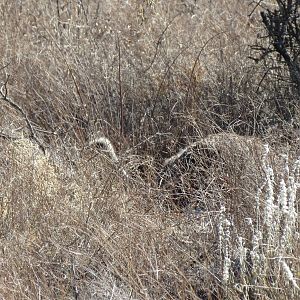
[15, 106]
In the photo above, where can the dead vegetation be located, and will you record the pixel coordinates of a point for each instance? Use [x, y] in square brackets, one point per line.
[195, 192]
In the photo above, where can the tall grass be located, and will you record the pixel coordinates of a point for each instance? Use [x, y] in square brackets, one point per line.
[150, 77]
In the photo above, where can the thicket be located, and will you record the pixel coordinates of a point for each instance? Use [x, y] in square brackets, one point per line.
[219, 222]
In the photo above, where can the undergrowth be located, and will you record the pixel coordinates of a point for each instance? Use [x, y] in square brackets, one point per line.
[200, 200]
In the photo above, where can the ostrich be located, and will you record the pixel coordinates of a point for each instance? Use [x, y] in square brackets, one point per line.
[106, 146]
[227, 162]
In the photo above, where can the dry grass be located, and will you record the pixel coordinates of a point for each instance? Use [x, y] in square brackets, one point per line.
[220, 222]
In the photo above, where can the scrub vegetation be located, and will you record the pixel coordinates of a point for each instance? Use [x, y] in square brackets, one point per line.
[149, 149]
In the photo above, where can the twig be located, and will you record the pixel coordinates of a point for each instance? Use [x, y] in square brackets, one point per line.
[5, 66]
[15, 106]
[262, 79]
[120, 89]
[255, 7]
[159, 42]
[197, 59]
[7, 137]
